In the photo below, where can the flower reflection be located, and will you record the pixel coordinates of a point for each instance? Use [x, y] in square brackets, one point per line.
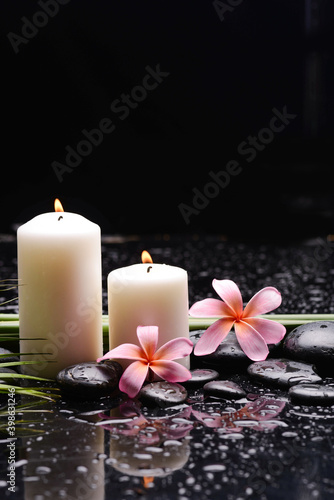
[151, 446]
[147, 447]
[147, 430]
[259, 414]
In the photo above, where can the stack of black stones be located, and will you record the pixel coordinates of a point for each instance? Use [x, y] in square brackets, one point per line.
[301, 365]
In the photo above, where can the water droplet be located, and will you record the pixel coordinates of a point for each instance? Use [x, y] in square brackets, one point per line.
[172, 442]
[19, 463]
[248, 423]
[233, 435]
[153, 449]
[208, 420]
[42, 469]
[289, 434]
[214, 468]
[143, 456]
[31, 479]
[82, 468]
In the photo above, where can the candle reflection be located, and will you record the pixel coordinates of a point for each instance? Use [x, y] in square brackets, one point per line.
[147, 447]
[65, 464]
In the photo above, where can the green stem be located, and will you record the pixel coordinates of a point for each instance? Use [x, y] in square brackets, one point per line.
[9, 326]
[9, 323]
[288, 320]
[29, 392]
[19, 375]
[9, 317]
[296, 317]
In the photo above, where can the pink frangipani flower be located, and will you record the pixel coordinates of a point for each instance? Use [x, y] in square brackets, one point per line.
[147, 358]
[253, 333]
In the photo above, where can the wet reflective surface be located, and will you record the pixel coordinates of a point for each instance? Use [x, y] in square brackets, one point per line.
[257, 447]
[262, 446]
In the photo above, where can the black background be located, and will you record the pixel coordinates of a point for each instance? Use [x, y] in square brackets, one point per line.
[227, 70]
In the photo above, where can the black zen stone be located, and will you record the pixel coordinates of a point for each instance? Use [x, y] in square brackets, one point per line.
[283, 372]
[163, 394]
[201, 376]
[90, 380]
[8, 359]
[312, 394]
[228, 354]
[313, 343]
[224, 389]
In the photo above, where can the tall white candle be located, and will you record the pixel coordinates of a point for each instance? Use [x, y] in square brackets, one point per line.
[60, 291]
[148, 294]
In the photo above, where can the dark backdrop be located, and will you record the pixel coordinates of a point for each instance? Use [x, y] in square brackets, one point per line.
[201, 84]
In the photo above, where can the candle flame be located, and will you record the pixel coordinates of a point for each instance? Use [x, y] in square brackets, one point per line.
[58, 206]
[146, 258]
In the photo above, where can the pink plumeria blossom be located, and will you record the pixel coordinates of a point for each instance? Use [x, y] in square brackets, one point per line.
[253, 333]
[147, 358]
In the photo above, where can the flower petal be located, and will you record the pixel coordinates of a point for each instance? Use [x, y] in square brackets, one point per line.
[263, 302]
[251, 342]
[230, 294]
[209, 307]
[271, 331]
[133, 378]
[174, 349]
[170, 370]
[148, 338]
[208, 420]
[213, 336]
[125, 351]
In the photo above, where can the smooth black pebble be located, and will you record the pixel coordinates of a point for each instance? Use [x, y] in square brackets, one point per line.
[163, 394]
[224, 389]
[8, 359]
[313, 343]
[90, 380]
[227, 355]
[283, 372]
[312, 394]
[201, 376]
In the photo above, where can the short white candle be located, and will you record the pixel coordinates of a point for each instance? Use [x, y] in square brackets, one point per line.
[148, 294]
[60, 291]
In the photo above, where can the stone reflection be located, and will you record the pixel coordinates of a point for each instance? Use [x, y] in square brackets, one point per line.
[147, 447]
[65, 464]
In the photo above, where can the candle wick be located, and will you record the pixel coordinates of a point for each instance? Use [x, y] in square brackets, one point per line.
[60, 217]
[149, 268]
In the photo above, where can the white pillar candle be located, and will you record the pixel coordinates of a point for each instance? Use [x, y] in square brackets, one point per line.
[148, 294]
[60, 291]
